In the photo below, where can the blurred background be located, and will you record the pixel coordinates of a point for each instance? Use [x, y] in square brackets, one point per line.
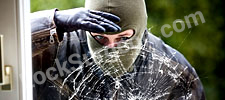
[202, 45]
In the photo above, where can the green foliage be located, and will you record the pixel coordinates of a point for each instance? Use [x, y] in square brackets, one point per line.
[202, 45]
[37, 5]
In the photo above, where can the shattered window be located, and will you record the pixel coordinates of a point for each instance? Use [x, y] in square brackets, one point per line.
[156, 75]
[66, 66]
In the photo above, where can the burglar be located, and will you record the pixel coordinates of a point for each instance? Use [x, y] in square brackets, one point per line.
[118, 58]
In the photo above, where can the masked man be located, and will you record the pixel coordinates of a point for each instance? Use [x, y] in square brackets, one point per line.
[106, 52]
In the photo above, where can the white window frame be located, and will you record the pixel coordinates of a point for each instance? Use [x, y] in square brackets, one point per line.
[24, 44]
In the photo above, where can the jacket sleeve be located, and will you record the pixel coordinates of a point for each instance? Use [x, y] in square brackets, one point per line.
[42, 20]
[197, 90]
[188, 85]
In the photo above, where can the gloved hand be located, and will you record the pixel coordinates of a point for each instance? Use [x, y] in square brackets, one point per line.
[89, 20]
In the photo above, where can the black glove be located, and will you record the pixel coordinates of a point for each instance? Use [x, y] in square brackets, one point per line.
[89, 20]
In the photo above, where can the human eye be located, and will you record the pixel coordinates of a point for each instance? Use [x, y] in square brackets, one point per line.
[124, 38]
[98, 37]
[101, 39]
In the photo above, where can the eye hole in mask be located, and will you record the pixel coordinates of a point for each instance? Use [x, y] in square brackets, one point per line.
[104, 40]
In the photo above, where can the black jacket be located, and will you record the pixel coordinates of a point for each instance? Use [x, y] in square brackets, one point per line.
[160, 72]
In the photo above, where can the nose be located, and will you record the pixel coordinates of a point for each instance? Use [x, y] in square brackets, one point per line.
[111, 43]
